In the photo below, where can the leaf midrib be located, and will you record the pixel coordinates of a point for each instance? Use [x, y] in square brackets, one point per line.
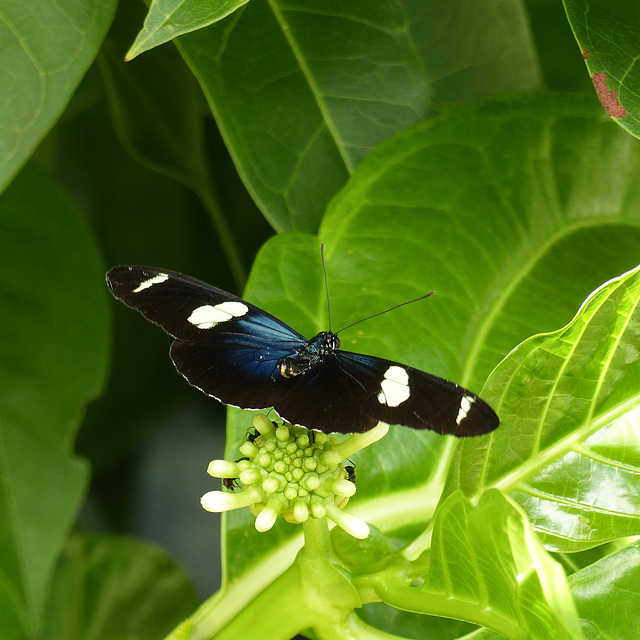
[540, 457]
[288, 34]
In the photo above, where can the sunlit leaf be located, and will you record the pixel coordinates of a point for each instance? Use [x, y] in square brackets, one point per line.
[569, 447]
[499, 208]
[607, 596]
[485, 566]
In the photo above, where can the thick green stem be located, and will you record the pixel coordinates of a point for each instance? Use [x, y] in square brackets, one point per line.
[317, 540]
[274, 614]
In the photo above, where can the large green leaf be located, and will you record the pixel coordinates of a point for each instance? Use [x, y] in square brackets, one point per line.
[53, 357]
[608, 35]
[45, 48]
[502, 208]
[302, 91]
[485, 566]
[569, 448]
[99, 585]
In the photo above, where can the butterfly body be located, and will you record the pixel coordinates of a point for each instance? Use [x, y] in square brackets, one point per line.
[309, 355]
[245, 357]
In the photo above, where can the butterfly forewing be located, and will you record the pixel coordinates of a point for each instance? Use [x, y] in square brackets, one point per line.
[398, 394]
[230, 357]
[173, 300]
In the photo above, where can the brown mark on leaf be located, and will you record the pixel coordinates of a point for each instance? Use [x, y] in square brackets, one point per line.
[608, 98]
[586, 54]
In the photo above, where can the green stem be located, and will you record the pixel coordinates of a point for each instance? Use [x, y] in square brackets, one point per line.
[392, 586]
[275, 614]
[317, 540]
[227, 240]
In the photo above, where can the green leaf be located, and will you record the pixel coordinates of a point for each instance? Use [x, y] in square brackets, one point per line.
[46, 49]
[607, 595]
[472, 50]
[302, 92]
[499, 207]
[609, 38]
[569, 447]
[159, 123]
[168, 19]
[485, 566]
[99, 586]
[53, 359]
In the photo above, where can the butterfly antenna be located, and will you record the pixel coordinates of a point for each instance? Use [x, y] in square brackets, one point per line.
[375, 315]
[326, 284]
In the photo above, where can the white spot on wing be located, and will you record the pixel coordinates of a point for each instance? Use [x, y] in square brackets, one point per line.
[161, 277]
[394, 388]
[465, 405]
[209, 316]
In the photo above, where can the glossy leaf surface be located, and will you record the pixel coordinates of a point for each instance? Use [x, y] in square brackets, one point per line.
[569, 448]
[499, 208]
[486, 566]
[607, 594]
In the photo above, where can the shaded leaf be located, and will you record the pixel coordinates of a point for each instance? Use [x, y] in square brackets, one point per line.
[303, 91]
[53, 360]
[99, 586]
[610, 45]
[569, 447]
[473, 50]
[46, 49]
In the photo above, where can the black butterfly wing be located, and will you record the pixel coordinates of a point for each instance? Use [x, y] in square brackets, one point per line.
[326, 398]
[230, 349]
[398, 394]
[224, 345]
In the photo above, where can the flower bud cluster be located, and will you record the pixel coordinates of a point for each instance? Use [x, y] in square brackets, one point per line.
[289, 471]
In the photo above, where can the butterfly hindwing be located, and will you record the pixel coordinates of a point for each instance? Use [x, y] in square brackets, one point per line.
[326, 399]
[352, 392]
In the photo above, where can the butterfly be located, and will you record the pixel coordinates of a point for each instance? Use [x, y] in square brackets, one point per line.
[245, 357]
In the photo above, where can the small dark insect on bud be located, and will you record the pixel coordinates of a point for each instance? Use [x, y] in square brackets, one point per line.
[351, 473]
[231, 484]
[252, 436]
